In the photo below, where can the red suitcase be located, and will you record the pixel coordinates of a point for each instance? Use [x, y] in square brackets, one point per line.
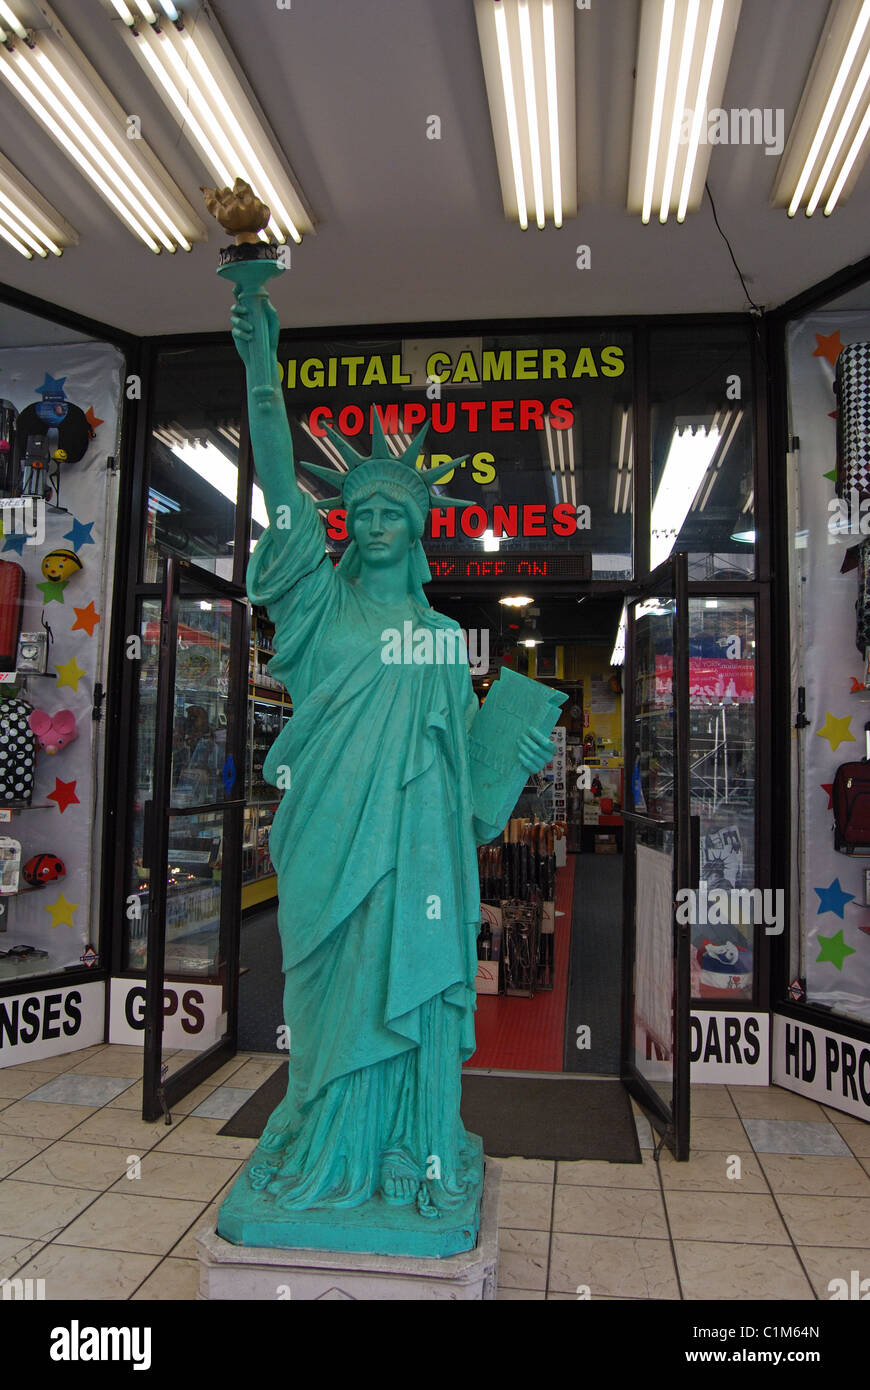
[11, 600]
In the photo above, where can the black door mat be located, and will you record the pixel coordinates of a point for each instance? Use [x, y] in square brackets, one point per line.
[524, 1117]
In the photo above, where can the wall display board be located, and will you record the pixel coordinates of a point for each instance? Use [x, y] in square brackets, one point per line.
[832, 907]
[61, 408]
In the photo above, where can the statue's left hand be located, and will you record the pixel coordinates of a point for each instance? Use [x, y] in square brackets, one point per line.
[534, 750]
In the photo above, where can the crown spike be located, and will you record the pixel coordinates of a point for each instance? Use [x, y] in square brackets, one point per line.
[347, 451]
[410, 455]
[434, 475]
[328, 501]
[380, 447]
[329, 475]
[453, 502]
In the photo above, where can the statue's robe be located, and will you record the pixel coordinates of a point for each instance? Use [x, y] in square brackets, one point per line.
[374, 848]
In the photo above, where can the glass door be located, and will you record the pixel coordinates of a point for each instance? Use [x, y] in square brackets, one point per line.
[661, 857]
[193, 834]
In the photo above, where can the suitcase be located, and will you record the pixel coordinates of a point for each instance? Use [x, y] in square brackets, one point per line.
[11, 600]
[852, 387]
[850, 798]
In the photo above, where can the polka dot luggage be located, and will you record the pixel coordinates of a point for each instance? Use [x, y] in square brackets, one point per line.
[17, 753]
[852, 387]
[11, 599]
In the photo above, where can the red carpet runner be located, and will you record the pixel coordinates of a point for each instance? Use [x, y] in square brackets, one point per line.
[528, 1034]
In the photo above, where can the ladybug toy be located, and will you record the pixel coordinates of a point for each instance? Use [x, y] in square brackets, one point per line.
[43, 868]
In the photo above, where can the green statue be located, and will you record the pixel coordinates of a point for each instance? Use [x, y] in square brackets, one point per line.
[374, 845]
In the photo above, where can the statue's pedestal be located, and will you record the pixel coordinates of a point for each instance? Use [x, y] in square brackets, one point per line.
[243, 1272]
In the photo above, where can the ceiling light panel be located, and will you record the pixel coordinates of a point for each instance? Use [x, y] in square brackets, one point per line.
[827, 145]
[190, 66]
[527, 47]
[53, 80]
[683, 53]
[27, 221]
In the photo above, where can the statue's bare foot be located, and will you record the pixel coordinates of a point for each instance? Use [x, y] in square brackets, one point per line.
[398, 1182]
[425, 1205]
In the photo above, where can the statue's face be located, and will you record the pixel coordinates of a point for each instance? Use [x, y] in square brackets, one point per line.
[382, 531]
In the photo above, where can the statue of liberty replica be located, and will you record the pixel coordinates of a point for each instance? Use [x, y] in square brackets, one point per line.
[374, 843]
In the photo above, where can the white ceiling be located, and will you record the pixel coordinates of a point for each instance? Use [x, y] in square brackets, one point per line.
[410, 229]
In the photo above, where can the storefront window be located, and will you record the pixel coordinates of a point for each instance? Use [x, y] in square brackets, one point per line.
[193, 460]
[701, 430]
[543, 424]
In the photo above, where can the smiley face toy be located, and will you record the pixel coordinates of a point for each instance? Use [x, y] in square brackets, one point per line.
[61, 564]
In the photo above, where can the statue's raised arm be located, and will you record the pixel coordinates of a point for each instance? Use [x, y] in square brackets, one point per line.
[249, 265]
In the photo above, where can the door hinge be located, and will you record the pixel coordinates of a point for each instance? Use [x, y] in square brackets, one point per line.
[99, 695]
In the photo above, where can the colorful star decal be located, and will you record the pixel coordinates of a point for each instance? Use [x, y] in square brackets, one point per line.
[64, 794]
[833, 899]
[52, 386]
[834, 949]
[69, 673]
[835, 730]
[53, 590]
[92, 419]
[16, 543]
[828, 789]
[61, 911]
[86, 619]
[831, 476]
[81, 531]
[828, 345]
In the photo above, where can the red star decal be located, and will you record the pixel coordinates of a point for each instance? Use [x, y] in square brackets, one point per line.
[832, 414]
[828, 788]
[828, 345]
[64, 794]
[86, 619]
[92, 420]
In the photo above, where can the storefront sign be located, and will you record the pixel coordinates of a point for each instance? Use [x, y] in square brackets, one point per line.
[710, 678]
[730, 1049]
[822, 1064]
[48, 1023]
[192, 1014]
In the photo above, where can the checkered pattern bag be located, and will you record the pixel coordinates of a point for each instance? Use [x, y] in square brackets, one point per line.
[852, 386]
[862, 603]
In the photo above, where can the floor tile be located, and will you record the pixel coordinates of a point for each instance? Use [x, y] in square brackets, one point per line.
[187, 1247]
[71, 1088]
[774, 1103]
[166, 1174]
[144, 1225]
[15, 1251]
[37, 1210]
[252, 1075]
[112, 1061]
[192, 1135]
[123, 1128]
[827, 1221]
[718, 1132]
[526, 1206]
[733, 1271]
[223, 1102]
[600, 1211]
[129, 1099]
[612, 1266]
[810, 1175]
[857, 1135]
[16, 1150]
[526, 1169]
[71, 1272]
[16, 1082]
[65, 1164]
[522, 1259]
[795, 1137]
[710, 1171]
[594, 1173]
[173, 1280]
[711, 1102]
[55, 1065]
[519, 1295]
[844, 1262]
[41, 1119]
[726, 1216]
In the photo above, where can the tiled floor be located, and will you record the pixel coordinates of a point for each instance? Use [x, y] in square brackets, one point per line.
[775, 1202]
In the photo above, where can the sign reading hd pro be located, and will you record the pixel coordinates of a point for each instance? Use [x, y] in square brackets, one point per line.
[822, 1064]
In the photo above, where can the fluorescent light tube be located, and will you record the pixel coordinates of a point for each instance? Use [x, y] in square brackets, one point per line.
[691, 452]
[617, 656]
[23, 208]
[527, 50]
[826, 147]
[52, 77]
[211, 464]
[684, 49]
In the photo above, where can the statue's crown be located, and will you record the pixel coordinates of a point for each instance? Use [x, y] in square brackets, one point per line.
[395, 474]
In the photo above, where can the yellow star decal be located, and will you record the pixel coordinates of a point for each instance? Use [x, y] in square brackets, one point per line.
[835, 730]
[61, 912]
[69, 673]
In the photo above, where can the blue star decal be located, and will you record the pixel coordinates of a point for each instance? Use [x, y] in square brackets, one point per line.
[16, 543]
[52, 386]
[80, 534]
[833, 899]
[228, 774]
